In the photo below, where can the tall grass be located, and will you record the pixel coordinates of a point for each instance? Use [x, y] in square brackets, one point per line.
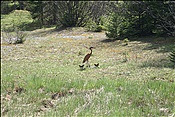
[42, 78]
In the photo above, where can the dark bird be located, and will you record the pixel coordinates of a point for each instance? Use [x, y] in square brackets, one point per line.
[96, 65]
[86, 58]
[81, 66]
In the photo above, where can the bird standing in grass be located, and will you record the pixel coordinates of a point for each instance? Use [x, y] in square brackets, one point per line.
[96, 65]
[86, 58]
[81, 67]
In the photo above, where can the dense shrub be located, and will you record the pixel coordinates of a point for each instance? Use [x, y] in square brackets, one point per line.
[92, 26]
[98, 28]
[136, 18]
[16, 19]
[112, 27]
[8, 6]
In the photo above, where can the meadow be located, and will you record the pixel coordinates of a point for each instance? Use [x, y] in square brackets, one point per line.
[42, 77]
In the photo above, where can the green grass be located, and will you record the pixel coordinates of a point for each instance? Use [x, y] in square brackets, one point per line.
[47, 64]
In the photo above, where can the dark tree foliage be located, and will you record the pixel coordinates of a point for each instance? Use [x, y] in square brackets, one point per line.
[36, 9]
[164, 15]
[142, 18]
[8, 6]
[78, 13]
[74, 13]
[129, 18]
[66, 13]
[50, 13]
[99, 9]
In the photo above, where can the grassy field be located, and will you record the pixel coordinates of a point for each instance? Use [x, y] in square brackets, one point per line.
[42, 76]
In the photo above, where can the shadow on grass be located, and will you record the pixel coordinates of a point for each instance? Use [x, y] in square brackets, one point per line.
[36, 25]
[44, 32]
[108, 40]
[158, 63]
[158, 44]
[163, 44]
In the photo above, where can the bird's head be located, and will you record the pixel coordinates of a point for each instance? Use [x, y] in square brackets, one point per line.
[91, 48]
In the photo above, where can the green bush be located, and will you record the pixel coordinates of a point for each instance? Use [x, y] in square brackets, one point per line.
[172, 55]
[104, 21]
[100, 26]
[92, 26]
[16, 19]
[112, 27]
[130, 21]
